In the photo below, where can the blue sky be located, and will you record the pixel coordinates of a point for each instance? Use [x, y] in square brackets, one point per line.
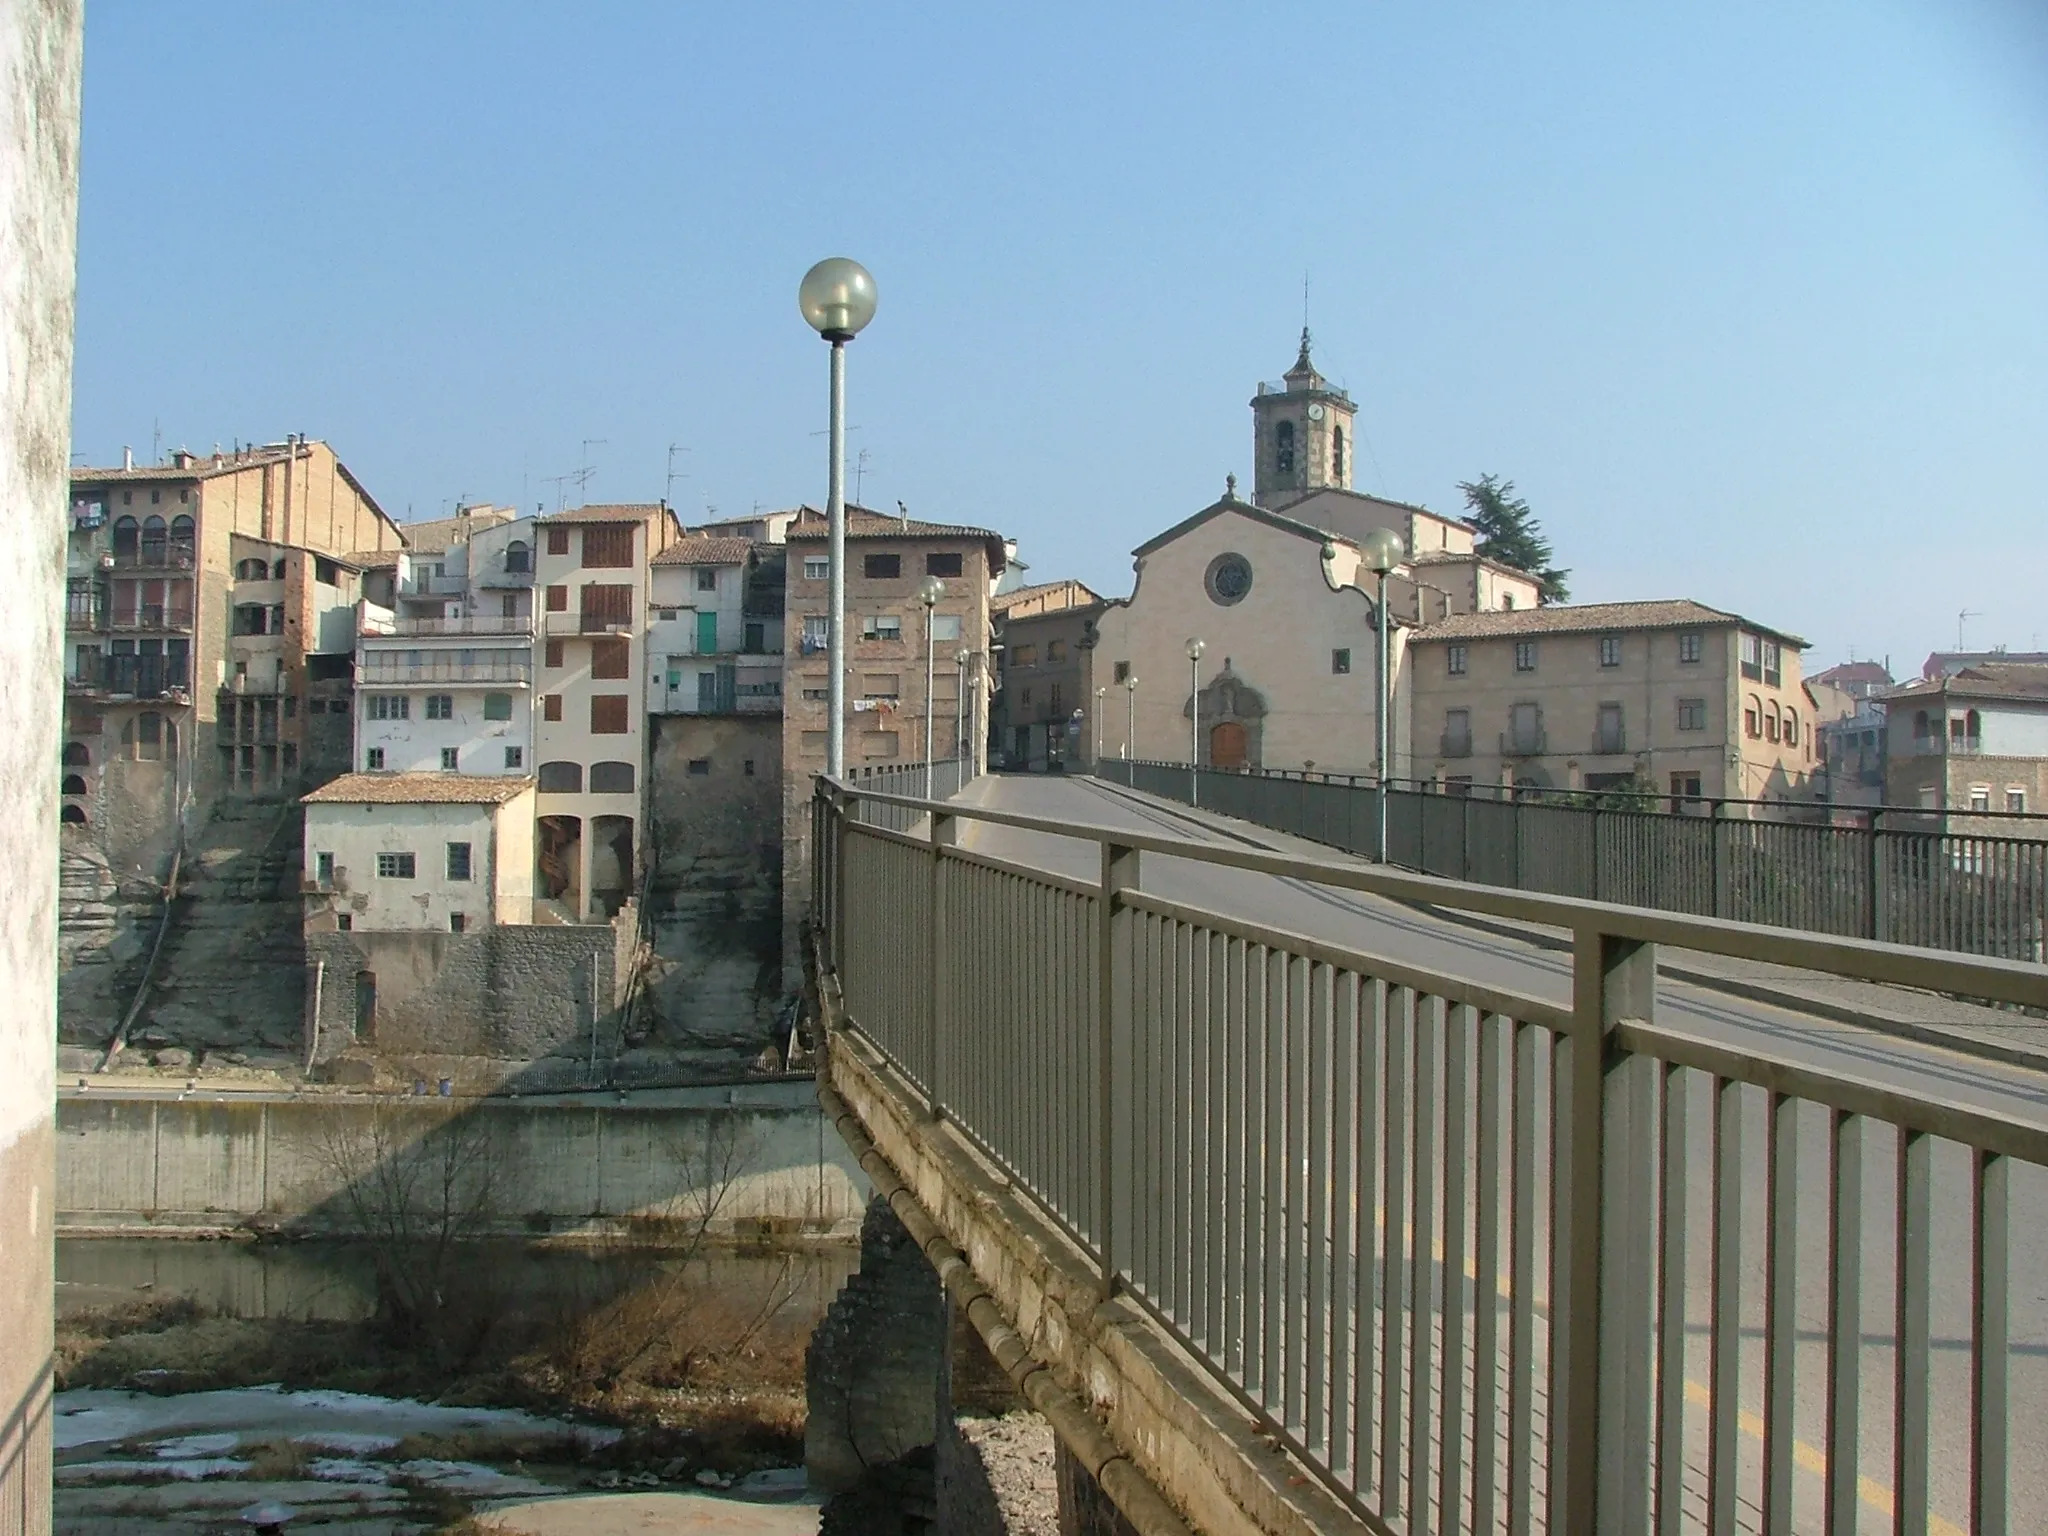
[1750, 299]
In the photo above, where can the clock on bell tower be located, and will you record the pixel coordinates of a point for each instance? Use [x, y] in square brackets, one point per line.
[1301, 434]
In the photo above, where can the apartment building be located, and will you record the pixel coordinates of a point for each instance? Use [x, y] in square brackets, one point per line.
[714, 639]
[284, 707]
[1045, 715]
[1975, 739]
[592, 571]
[1673, 696]
[888, 633]
[418, 852]
[1848, 703]
[160, 561]
[444, 673]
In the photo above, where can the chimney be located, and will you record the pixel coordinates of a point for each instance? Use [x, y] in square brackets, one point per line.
[127, 458]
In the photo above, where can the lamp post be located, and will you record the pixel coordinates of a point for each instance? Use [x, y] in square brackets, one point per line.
[1383, 552]
[1095, 735]
[929, 591]
[1195, 649]
[1131, 735]
[837, 297]
[960, 660]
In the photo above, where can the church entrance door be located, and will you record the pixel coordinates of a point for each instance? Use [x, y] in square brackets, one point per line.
[1227, 745]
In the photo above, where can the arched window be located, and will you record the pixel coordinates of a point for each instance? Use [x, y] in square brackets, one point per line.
[1919, 725]
[611, 778]
[1337, 455]
[127, 538]
[73, 815]
[277, 571]
[1973, 726]
[561, 778]
[252, 570]
[518, 556]
[183, 537]
[77, 755]
[1753, 718]
[155, 540]
[1283, 454]
[1791, 727]
[146, 736]
[73, 784]
[1771, 721]
[1507, 601]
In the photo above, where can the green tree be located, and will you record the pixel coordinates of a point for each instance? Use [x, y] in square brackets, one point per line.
[1509, 533]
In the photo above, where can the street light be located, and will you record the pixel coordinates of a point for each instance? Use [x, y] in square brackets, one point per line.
[1095, 736]
[837, 297]
[929, 591]
[1195, 649]
[960, 660]
[1131, 735]
[1382, 552]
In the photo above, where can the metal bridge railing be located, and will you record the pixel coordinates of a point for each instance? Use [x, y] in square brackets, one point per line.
[1483, 1261]
[1896, 875]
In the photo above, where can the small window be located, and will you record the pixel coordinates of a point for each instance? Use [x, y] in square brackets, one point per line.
[373, 760]
[1980, 797]
[942, 565]
[515, 757]
[74, 815]
[551, 706]
[518, 558]
[1791, 728]
[881, 567]
[945, 626]
[747, 768]
[395, 866]
[497, 706]
[611, 778]
[558, 541]
[817, 567]
[1525, 655]
[1454, 659]
[881, 626]
[450, 759]
[1023, 656]
[1123, 672]
[1340, 660]
[323, 865]
[440, 706]
[1055, 651]
[1771, 723]
[1610, 650]
[2016, 801]
[707, 579]
[561, 778]
[74, 784]
[700, 767]
[1025, 698]
[1692, 714]
[553, 653]
[608, 714]
[457, 922]
[881, 685]
[1690, 646]
[610, 658]
[344, 921]
[558, 599]
[458, 861]
[1753, 718]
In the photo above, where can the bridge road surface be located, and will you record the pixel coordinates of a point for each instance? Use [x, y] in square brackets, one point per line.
[1375, 926]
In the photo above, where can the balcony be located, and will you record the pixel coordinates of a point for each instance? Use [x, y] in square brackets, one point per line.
[1609, 741]
[392, 671]
[244, 686]
[153, 616]
[1951, 746]
[1455, 746]
[133, 677]
[588, 624]
[1524, 743]
[154, 557]
[469, 624]
[85, 612]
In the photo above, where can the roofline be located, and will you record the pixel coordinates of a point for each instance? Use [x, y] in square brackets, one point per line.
[1720, 619]
[1252, 510]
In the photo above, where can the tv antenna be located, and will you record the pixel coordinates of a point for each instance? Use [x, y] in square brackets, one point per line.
[1967, 613]
[668, 490]
[860, 469]
[560, 483]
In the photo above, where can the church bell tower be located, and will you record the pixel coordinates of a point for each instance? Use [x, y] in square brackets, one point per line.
[1301, 435]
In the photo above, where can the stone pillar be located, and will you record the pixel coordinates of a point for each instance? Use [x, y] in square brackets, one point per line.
[1085, 1510]
[41, 47]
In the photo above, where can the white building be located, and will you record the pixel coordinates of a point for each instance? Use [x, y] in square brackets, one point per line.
[709, 649]
[419, 852]
[444, 682]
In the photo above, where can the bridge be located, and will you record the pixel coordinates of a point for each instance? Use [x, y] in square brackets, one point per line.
[1307, 1194]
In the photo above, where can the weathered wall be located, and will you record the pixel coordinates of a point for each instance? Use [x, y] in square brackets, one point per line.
[715, 902]
[179, 1165]
[41, 47]
[514, 993]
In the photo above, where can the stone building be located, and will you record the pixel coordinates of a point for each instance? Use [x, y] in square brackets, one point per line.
[1045, 714]
[886, 639]
[1972, 740]
[434, 852]
[1676, 697]
[590, 742]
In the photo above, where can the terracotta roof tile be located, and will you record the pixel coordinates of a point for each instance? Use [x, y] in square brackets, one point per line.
[706, 550]
[417, 789]
[1587, 619]
[608, 512]
[864, 524]
[1002, 602]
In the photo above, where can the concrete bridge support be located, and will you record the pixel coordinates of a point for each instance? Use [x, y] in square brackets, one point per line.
[41, 48]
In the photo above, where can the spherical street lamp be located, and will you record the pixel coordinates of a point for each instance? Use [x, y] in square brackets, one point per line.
[1131, 736]
[929, 591]
[837, 298]
[960, 659]
[1194, 650]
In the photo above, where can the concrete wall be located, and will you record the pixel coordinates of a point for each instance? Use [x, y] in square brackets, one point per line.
[41, 46]
[513, 993]
[178, 1166]
[715, 902]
